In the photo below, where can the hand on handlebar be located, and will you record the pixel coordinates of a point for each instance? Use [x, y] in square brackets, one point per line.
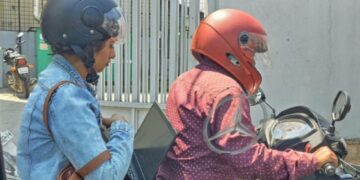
[325, 155]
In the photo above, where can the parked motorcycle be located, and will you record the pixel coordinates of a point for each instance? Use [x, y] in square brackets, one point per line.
[302, 129]
[18, 76]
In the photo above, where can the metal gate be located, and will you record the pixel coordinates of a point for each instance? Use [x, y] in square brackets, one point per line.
[156, 52]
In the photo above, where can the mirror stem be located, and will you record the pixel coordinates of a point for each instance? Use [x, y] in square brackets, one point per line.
[272, 109]
[331, 129]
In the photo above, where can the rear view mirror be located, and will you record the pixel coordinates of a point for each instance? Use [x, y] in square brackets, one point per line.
[18, 38]
[341, 106]
[20, 34]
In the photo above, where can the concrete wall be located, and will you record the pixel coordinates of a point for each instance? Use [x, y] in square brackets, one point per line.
[7, 39]
[315, 52]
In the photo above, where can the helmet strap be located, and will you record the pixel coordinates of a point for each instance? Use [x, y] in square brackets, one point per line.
[88, 59]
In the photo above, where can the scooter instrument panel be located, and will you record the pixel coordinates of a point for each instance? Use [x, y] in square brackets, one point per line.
[291, 128]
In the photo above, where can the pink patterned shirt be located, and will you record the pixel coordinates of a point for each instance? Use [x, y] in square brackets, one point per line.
[191, 97]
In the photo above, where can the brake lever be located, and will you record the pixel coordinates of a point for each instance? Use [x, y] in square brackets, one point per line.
[357, 171]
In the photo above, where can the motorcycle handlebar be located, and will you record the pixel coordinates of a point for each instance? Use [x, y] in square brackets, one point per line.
[329, 169]
[352, 168]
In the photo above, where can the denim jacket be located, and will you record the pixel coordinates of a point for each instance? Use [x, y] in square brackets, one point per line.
[74, 118]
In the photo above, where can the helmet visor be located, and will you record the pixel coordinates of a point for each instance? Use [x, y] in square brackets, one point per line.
[254, 42]
[114, 24]
[264, 59]
[256, 47]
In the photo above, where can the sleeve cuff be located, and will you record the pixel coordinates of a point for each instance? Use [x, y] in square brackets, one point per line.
[314, 162]
[122, 126]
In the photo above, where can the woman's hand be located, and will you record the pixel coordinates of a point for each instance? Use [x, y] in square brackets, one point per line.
[115, 117]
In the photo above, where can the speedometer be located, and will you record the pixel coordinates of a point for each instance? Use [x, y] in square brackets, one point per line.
[291, 128]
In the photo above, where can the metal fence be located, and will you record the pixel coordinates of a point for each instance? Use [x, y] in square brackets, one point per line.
[156, 52]
[18, 15]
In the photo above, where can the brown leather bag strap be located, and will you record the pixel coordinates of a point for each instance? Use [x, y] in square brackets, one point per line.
[91, 165]
[47, 101]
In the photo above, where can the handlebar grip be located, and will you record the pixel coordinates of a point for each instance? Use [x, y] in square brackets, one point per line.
[328, 169]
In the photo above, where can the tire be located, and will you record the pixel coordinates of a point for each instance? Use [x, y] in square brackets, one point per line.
[24, 86]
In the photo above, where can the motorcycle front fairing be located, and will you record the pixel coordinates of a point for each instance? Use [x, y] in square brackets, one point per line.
[301, 129]
[295, 128]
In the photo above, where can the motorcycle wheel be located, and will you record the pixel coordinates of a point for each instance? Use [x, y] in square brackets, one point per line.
[23, 88]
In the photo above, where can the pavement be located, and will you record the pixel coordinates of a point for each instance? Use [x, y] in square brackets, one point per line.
[10, 111]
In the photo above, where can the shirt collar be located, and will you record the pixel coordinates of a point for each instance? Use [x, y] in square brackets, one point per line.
[60, 61]
[206, 63]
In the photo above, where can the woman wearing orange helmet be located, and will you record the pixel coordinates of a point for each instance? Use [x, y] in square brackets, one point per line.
[206, 100]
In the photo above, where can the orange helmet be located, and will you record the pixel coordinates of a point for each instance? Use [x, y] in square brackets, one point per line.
[230, 38]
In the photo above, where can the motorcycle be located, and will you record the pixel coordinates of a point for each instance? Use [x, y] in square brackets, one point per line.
[302, 129]
[18, 76]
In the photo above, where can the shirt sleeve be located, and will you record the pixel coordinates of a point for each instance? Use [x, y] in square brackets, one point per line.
[75, 129]
[258, 161]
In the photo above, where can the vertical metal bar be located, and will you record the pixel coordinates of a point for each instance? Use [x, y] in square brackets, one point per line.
[19, 18]
[154, 53]
[100, 87]
[183, 39]
[165, 69]
[129, 54]
[173, 46]
[194, 18]
[121, 69]
[117, 79]
[142, 49]
[179, 37]
[181, 34]
[146, 51]
[126, 70]
[109, 82]
[162, 50]
[213, 5]
[125, 53]
[141, 52]
[135, 51]
[119, 60]
[123, 58]
[104, 73]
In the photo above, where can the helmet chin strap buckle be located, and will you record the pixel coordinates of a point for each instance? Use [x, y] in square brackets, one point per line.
[92, 76]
